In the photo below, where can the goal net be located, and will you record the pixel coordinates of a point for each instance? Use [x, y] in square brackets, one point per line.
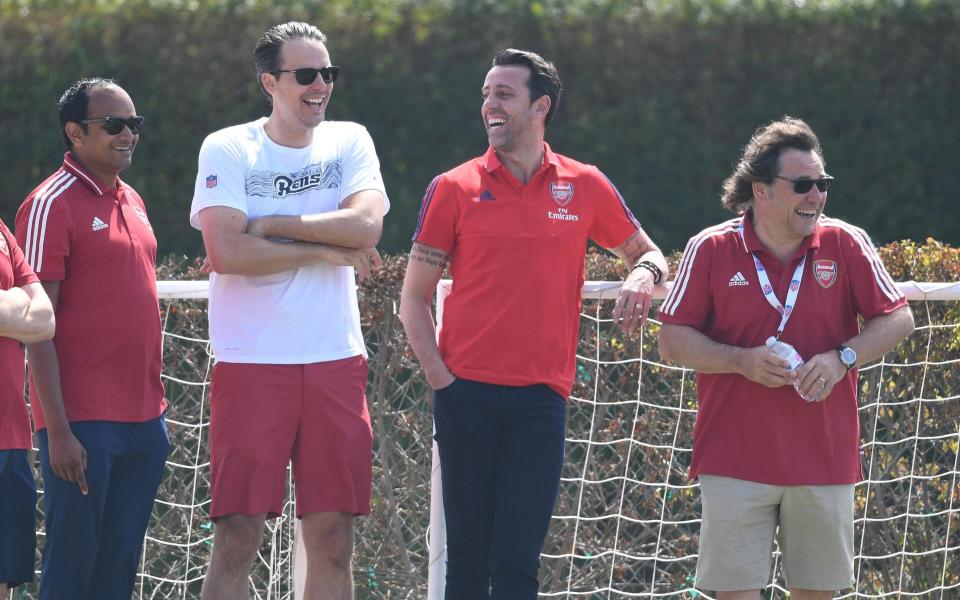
[627, 520]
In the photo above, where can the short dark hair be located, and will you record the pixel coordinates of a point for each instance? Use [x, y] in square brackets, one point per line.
[760, 160]
[75, 101]
[267, 54]
[544, 78]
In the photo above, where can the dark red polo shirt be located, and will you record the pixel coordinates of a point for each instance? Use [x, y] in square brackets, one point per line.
[517, 261]
[14, 420]
[98, 243]
[746, 430]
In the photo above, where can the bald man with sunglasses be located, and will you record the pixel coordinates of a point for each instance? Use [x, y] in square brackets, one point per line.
[95, 388]
[766, 308]
[290, 207]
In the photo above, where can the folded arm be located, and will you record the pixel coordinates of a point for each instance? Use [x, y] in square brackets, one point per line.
[424, 269]
[26, 314]
[232, 249]
[356, 224]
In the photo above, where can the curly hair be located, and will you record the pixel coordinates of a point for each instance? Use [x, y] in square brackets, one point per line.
[760, 160]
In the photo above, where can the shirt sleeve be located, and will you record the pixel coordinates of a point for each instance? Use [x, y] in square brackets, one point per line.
[44, 231]
[873, 290]
[613, 223]
[690, 301]
[361, 168]
[22, 273]
[439, 214]
[221, 177]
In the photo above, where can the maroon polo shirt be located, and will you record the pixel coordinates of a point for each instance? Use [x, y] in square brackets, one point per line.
[98, 243]
[14, 420]
[746, 430]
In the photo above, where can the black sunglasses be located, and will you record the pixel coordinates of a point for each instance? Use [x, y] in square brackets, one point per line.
[308, 75]
[802, 186]
[114, 125]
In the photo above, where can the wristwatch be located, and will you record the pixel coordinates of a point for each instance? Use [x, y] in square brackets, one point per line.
[848, 356]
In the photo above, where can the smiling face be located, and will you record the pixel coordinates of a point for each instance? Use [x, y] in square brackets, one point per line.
[780, 213]
[103, 154]
[511, 119]
[297, 109]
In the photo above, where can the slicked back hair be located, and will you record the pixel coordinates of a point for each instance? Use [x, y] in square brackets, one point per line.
[544, 78]
[761, 159]
[75, 101]
[267, 55]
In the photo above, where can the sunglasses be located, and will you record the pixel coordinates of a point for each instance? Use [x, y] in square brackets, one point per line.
[308, 75]
[114, 125]
[802, 186]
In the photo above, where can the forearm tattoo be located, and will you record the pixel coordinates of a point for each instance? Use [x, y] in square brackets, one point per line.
[429, 256]
[634, 248]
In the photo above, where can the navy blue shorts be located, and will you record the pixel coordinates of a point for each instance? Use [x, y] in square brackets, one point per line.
[18, 522]
[93, 544]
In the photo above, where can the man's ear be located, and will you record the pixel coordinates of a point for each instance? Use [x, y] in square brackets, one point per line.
[542, 106]
[760, 190]
[75, 132]
[269, 83]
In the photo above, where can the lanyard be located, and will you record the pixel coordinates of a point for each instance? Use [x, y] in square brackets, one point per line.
[768, 293]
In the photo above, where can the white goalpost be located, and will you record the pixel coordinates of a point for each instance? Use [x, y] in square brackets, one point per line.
[655, 556]
[626, 522]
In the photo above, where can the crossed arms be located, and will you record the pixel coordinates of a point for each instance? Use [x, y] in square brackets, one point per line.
[344, 237]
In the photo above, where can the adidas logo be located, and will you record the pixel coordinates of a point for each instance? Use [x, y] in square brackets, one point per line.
[98, 224]
[738, 279]
[486, 196]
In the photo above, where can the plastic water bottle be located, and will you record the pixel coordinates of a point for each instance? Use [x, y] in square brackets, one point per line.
[788, 353]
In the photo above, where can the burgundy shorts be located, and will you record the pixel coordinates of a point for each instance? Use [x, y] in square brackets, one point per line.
[265, 416]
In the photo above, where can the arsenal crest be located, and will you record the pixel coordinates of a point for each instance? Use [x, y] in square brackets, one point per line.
[825, 272]
[562, 192]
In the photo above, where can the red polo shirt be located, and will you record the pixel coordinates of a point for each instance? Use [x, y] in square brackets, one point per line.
[517, 260]
[14, 420]
[746, 430]
[98, 243]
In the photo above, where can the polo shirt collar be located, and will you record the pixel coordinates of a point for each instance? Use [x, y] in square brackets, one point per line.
[88, 178]
[752, 243]
[491, 162]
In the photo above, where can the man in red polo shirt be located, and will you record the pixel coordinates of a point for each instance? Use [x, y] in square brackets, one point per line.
[514, 225]
[96, 391]
[25, 317]
[775, 445]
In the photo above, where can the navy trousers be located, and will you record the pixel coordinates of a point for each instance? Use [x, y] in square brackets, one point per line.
[18, 518]
[501, 453]
[93, 542]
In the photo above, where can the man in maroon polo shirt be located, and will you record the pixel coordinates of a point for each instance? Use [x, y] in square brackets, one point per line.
[95, 389]
[775, 446]
[25, 317]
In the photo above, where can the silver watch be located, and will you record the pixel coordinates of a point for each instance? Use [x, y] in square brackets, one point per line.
[848, 356]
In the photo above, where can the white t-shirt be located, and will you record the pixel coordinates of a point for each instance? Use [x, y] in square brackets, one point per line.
[308, 314]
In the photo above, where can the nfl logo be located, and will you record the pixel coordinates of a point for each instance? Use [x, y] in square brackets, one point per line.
[562, 192]
[825, 272]
[211, 181]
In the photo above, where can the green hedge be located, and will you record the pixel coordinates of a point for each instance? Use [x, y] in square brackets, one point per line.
[662, 94]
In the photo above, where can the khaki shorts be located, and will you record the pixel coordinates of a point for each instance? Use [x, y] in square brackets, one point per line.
[739, 521]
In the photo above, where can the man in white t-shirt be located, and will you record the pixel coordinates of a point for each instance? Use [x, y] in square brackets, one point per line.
[290, 207]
